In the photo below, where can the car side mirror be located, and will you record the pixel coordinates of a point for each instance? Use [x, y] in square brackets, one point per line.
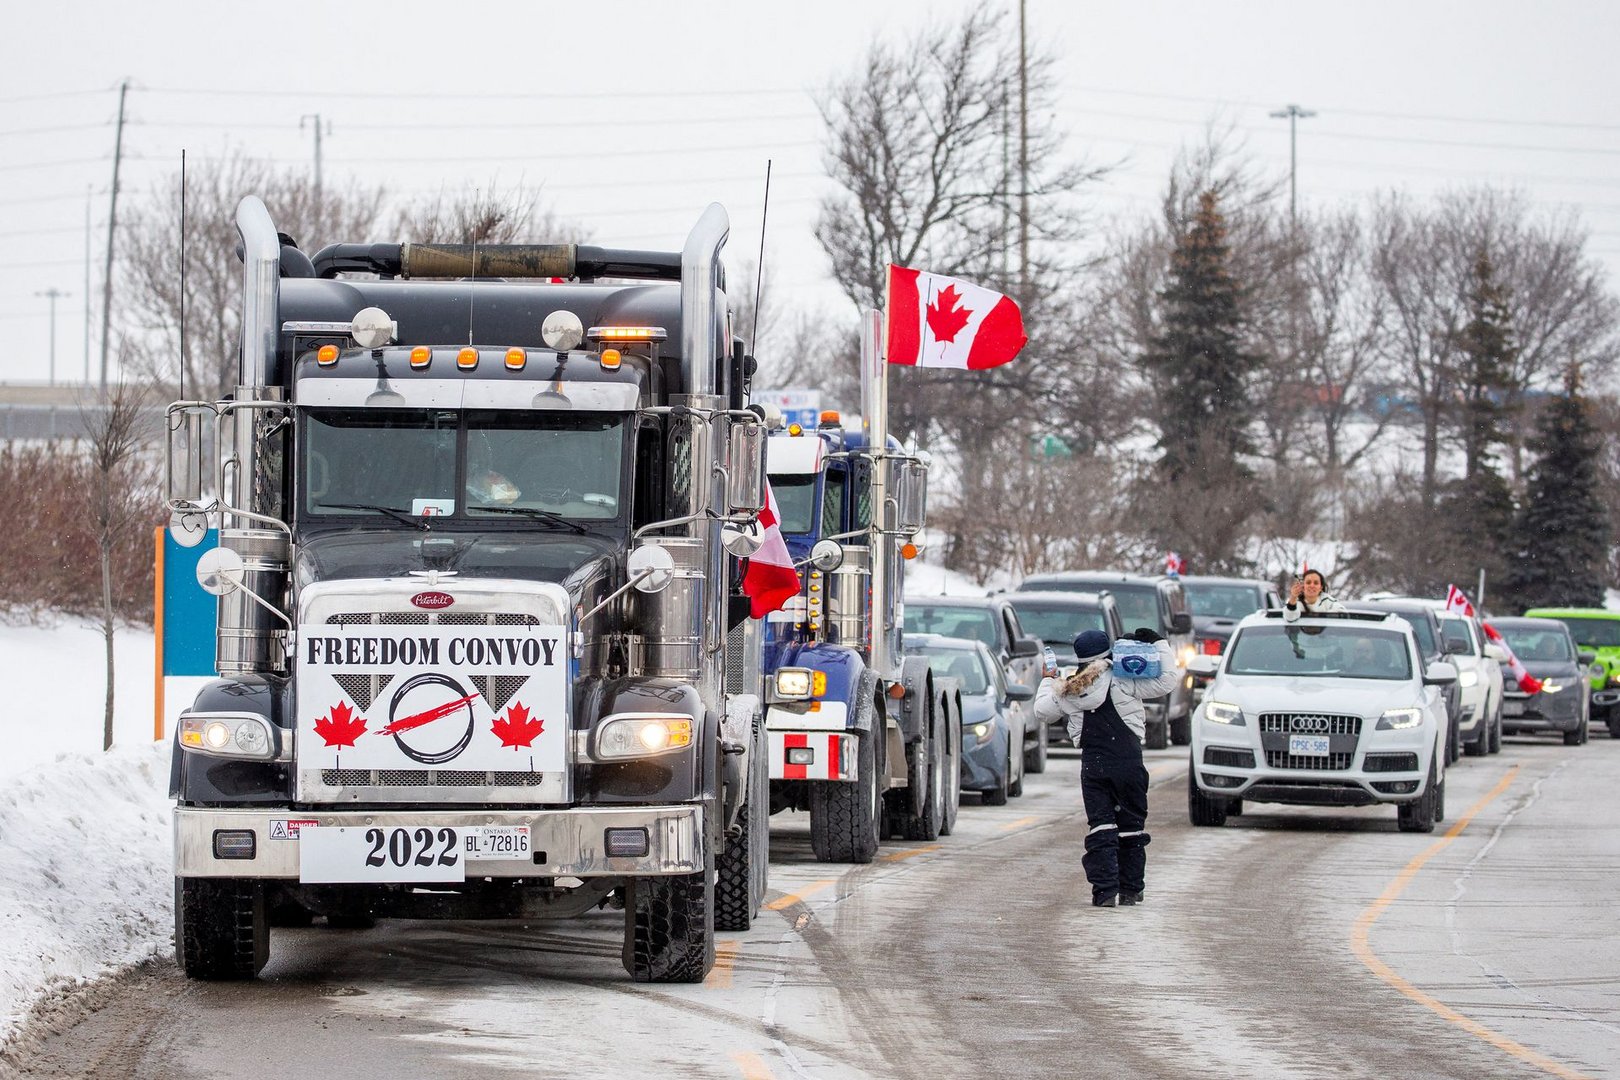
[1019, 692]
[1026, 646]
[1588, 657]
[1181, 623]
[1495, 651]
[1440, 673]
[1203, 664]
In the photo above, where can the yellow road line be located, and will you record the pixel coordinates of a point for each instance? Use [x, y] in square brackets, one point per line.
[725, 955]
[1364, 952]
[753, 1066]
[1020, 823]
[1163, 770]
[895, 856]
[793, 898]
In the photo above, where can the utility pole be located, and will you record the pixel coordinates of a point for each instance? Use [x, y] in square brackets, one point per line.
[52, 294]
[89, 196]
[1023, 160]
[112, 231]
[315, 119]
[1293, 114]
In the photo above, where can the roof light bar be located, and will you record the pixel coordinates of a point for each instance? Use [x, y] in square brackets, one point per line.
[627, 333]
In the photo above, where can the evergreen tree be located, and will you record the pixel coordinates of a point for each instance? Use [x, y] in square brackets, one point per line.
[1563, 532]
[1484, 369]
[1198, 361]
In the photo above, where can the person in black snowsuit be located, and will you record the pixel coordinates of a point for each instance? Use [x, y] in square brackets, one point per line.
[1106, 720]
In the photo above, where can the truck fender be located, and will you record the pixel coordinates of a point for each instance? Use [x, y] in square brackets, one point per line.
[911, 711]
[848, 677]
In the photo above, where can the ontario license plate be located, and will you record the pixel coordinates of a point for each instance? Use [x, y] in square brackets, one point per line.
[495, 842]
[1511, 707]
[1308, 745]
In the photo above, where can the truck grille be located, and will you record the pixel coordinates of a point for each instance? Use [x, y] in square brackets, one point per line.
[427, 778]
[423, 618]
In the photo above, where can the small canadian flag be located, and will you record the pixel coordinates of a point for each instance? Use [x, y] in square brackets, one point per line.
[938, 321]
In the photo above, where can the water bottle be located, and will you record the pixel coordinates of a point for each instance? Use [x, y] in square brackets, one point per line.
[1136, 660]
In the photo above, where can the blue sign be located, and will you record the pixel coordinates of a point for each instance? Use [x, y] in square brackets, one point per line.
[189, 613]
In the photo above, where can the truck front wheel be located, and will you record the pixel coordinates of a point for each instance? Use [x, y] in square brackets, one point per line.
[221, 927]
[844, 815]
[669, 928]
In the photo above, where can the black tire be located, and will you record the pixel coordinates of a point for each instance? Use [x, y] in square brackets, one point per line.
[221, 928]
[1440, 800]
[1035, 756]
[1479, 745]
[997, 796]
[1573, 738]
[844, 814]
[1496, 729]
[1181, 731]
[740, 871]
[1454, 746]
[669, 928]
[1234, 807]
[1157, 735]
[1614, 725]
[1015, 787]
[1418, 816]
[953, 771]
[1205, 811]
[930, 770]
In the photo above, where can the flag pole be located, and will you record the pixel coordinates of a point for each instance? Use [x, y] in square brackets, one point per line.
[875, 427]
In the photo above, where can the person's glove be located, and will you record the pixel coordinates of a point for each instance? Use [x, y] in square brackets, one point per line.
[1146, 635]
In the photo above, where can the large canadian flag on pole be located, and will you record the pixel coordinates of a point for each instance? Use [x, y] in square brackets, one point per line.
[769, 579]
[937, 321]
[1457, 600]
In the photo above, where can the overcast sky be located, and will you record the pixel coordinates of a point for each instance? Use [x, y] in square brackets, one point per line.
[633, 115]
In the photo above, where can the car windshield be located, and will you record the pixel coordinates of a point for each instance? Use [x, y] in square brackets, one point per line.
[795, 501]
[1223, 601]
[540, 466]
[1058, 625]
[964, 664]
[1453, 627]
[1598, 633]
[1532, 643]
[1138, 604]
[1340, 651]
[973, 623]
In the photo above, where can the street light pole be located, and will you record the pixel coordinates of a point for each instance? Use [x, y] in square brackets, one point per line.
[1293, 114]
[52, 294]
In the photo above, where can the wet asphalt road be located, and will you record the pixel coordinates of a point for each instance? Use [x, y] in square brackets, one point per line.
[1291, 943]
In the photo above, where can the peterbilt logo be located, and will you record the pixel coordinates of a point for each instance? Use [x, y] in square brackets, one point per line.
[433, 601]
[1317, 724]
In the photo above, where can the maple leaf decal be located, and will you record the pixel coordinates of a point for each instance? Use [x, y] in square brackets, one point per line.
[516, 729]
[342, 727]
[946, 316]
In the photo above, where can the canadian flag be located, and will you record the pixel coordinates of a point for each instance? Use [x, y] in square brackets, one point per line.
[1457, 600]
[937, 321]
[1174, 564]
[769, 579]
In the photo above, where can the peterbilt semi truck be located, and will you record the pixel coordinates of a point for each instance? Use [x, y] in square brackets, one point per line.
[480, 648]
[860, 735]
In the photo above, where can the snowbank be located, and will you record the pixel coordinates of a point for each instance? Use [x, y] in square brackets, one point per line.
[85, 884]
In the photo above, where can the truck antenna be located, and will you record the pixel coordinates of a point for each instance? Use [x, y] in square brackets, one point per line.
[759, 271]
[182, 274]
[472, 286]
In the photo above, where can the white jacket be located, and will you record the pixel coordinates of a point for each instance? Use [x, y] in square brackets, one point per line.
[1055, 702]
[1324, 602]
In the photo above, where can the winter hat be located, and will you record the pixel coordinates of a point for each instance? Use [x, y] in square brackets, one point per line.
[1092, 645]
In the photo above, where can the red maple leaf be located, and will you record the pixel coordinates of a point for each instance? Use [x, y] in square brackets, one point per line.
[946, 316]
[341, 728]
[516, 729]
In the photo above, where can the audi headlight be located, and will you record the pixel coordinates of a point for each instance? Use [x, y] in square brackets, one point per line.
[1400, 719]
[1223, 713]
[230, 735]
[622, 737]
[1468, 678]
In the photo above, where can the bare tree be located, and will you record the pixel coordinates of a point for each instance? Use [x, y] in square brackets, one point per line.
[150, 261]
[486, 215]
[118, 479]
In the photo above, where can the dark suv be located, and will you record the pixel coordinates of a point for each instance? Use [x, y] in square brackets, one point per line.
[1056, 618]
[1431, 639]
[1158, 602]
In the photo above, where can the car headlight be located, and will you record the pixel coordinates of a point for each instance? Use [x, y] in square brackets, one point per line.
[1184, 656]
[1223, 713]
[1400, 719]
[1468, 678]
[228, 735]
[800, 684]
[642, 736]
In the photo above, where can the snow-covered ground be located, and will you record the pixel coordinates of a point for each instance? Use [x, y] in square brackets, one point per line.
[85, 886]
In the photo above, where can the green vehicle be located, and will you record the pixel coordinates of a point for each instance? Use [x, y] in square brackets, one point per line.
[1597, 631]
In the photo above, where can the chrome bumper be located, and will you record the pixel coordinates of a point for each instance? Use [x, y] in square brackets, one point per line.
[565, 842]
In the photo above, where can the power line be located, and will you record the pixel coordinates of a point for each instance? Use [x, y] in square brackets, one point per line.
[22, 165]
[500, 125]
[54, 129]
[552, 95]
[52, 94]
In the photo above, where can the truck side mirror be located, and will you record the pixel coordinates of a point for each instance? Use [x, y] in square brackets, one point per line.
[219, 570]
[745, 463]
[1181, 623]
[911, 494]
[193, 428]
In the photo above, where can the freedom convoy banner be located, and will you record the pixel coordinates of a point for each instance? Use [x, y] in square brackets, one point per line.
[451, 697]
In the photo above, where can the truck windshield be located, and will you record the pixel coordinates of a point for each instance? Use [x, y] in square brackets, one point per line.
[1598, 633]
[445, 462]
[1341, 652]
[795, 501]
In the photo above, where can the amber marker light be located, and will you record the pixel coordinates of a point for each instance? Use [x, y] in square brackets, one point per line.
[515, 359]
[908, 550]
[611, 359]
[421, 357]
[795, 429]
[897, 690]
[467, 359]
[327, 356]
[830, 418]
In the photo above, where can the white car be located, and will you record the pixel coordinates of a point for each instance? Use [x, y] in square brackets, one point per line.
[1479, 676]
[1336, 709]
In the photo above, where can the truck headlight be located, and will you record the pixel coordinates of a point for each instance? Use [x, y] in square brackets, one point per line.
[1400, 719]
[230, 735]
[1467, 678]
[1223, 713]
[800, 684]
[648, 735]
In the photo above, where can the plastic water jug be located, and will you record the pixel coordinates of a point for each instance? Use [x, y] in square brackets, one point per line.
[1136, 660]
